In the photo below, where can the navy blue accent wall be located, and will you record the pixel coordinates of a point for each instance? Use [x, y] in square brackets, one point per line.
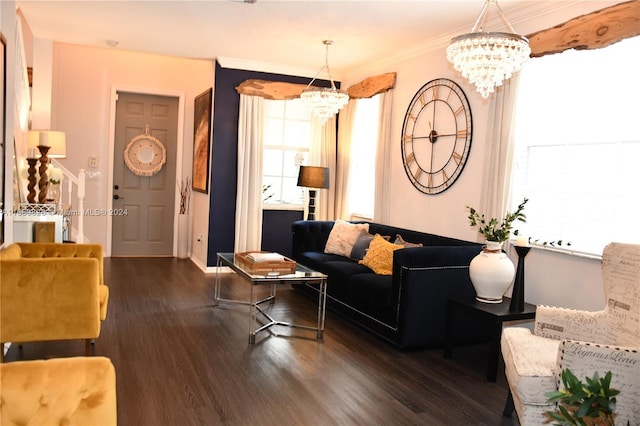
[276, 230]
[224, 154]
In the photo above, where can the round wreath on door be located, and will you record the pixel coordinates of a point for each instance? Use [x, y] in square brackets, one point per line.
[145, 155]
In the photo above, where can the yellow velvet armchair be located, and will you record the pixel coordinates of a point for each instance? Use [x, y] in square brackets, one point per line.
[75, 391]
[51, 291]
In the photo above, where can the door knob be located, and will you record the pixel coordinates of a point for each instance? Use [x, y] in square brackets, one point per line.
[116, 197]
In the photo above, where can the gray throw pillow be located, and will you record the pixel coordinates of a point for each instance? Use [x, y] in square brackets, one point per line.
[361, 245]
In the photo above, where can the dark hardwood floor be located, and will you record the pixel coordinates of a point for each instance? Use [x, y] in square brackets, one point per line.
[180, 361]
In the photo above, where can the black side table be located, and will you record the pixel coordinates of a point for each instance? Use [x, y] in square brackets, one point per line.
[497, 313]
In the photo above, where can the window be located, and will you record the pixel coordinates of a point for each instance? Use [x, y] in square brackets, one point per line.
[577, 153]
[287, 138]
[361, 186]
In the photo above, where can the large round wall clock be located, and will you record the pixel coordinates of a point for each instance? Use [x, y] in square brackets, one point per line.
[436, 136]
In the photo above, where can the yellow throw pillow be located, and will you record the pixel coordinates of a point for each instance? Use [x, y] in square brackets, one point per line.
[379, 257]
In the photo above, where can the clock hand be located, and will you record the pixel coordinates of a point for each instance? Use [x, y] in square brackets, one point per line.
[433, 136]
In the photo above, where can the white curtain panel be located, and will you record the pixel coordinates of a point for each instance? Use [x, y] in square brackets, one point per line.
[345, 131]
[323, 154]
[248, 235]
[383, 159]
[496, 179]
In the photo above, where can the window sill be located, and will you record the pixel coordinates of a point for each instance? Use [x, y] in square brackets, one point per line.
[291, 207]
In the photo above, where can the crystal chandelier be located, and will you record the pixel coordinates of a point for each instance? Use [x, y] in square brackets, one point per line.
[325, 102]
[486, 59]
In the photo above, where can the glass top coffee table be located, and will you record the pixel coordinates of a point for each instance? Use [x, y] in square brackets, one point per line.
[302, 275]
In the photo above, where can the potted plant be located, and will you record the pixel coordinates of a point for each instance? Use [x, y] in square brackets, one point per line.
[494, 230]
[583, 404]
[492, 271]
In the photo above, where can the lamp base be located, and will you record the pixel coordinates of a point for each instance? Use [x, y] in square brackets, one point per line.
[311, 212]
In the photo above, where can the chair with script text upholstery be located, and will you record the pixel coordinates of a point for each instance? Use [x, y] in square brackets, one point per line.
[51, 291]
[582, 341]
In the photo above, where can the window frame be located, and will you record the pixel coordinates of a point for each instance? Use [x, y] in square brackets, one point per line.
[284, 148]
[586, 247]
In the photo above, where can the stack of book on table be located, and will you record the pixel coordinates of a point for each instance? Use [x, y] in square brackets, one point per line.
[267, 263]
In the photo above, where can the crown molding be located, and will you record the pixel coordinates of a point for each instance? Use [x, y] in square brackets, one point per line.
[268, 67]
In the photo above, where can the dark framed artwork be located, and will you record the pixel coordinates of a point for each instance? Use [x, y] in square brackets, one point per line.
[3, 145]
[202, 140]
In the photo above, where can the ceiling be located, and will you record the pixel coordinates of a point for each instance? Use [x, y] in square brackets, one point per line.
[286, 33]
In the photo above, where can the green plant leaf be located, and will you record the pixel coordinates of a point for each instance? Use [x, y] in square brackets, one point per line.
[584, 408]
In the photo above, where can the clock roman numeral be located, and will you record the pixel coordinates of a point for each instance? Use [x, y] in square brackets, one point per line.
[457, 157]
[417, 174]
[459, 110]
[435, 93]
[410, 158]
[462, 133]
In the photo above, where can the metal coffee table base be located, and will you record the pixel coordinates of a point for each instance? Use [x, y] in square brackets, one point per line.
[303, 276]
[254, 309]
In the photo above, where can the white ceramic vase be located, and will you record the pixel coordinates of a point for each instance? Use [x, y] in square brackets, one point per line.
[183, 236]
[491, 273]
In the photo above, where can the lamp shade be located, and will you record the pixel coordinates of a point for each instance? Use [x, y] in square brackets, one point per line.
[313, 177]
[55, 140]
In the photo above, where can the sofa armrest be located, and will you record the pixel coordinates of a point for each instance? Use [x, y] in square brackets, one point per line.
[49, 299]
[584, 359]
[425, 278]
[435, 256]
[563, 323]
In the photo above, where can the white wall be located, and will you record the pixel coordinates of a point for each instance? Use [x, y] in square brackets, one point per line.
[83, 81]
[550, 277]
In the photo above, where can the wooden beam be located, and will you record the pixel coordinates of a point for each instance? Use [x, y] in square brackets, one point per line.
[273, 90]
[278, 90]
[591, 31]
[371, 86]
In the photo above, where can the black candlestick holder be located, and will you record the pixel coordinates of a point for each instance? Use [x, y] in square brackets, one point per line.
[517, 295]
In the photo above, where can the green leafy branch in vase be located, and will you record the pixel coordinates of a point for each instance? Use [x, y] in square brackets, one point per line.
[557, 243]
[494, 230]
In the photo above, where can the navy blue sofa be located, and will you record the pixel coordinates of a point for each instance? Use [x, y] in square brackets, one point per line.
[407, 308]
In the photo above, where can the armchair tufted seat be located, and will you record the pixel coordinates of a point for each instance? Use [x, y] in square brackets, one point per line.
[65, 391]
[51, 291]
